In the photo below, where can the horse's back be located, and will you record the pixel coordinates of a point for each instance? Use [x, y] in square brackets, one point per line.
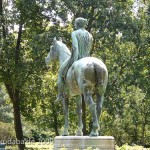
[83, 74]
[84, 62]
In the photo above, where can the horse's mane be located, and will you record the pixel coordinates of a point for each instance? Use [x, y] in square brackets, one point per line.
[63, 47]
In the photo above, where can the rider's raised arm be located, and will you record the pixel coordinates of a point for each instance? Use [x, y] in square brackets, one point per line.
[75, 50]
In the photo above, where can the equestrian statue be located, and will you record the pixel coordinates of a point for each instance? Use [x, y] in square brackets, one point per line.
[79, 74]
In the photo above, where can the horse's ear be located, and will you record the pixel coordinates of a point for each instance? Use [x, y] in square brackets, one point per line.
[54, 40]
[60, 39]
[51, 48]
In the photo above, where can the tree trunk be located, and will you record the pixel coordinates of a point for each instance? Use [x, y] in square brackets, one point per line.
[14, 92]
[18, 125]
[136, 133]
[17, 117]
[143, 130]
[16, 104]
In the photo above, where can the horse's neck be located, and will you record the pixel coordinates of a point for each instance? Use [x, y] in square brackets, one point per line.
[63, 55]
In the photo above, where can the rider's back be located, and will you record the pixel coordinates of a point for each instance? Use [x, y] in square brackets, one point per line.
[84, 39]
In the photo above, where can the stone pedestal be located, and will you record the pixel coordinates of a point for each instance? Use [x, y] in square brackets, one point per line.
[84, 142]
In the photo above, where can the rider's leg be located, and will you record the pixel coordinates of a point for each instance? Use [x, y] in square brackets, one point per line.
[61, 83]
[60, 87]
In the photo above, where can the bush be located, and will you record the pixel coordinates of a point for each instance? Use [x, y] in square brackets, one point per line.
[6, 131]
[128, 147]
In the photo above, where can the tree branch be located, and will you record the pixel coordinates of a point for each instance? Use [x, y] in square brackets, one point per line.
[2, 21]
[17, 52]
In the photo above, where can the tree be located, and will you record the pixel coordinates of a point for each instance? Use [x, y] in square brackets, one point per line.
[22, 54]
[16, 65]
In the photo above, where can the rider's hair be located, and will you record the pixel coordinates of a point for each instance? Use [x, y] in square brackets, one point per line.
[81, 22]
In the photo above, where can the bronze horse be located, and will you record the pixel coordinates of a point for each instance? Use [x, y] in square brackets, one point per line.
[86, 76]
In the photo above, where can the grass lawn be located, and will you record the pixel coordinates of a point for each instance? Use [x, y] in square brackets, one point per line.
[34, 146]
[39, 145]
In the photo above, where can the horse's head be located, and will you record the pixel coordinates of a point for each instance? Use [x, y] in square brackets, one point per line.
[54, 52]
[57, 50]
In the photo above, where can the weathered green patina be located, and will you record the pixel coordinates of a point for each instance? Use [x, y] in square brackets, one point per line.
[86, 76]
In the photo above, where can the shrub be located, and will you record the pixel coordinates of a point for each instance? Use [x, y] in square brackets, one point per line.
[6, 131]
[128, 147]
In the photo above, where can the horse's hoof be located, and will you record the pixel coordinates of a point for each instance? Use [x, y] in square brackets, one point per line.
[65, 133]
[94, 133]
[79, 133]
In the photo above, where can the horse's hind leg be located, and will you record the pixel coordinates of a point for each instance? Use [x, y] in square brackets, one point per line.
[79, 113]
[66, 115]
[99, 104]
[92, 106]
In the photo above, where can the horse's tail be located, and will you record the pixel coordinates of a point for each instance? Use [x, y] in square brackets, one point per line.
[101, 76]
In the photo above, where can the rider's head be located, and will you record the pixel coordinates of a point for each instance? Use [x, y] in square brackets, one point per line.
[80, 23]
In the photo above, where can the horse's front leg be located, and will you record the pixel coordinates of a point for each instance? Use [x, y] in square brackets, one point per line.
[66, 115]
[79, 113]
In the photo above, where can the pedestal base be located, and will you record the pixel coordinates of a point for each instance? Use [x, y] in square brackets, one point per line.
[84, 142]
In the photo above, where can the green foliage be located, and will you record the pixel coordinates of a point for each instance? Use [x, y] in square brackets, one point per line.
[127, 147]
[7, 131]
[121, 40]
[5, 107]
